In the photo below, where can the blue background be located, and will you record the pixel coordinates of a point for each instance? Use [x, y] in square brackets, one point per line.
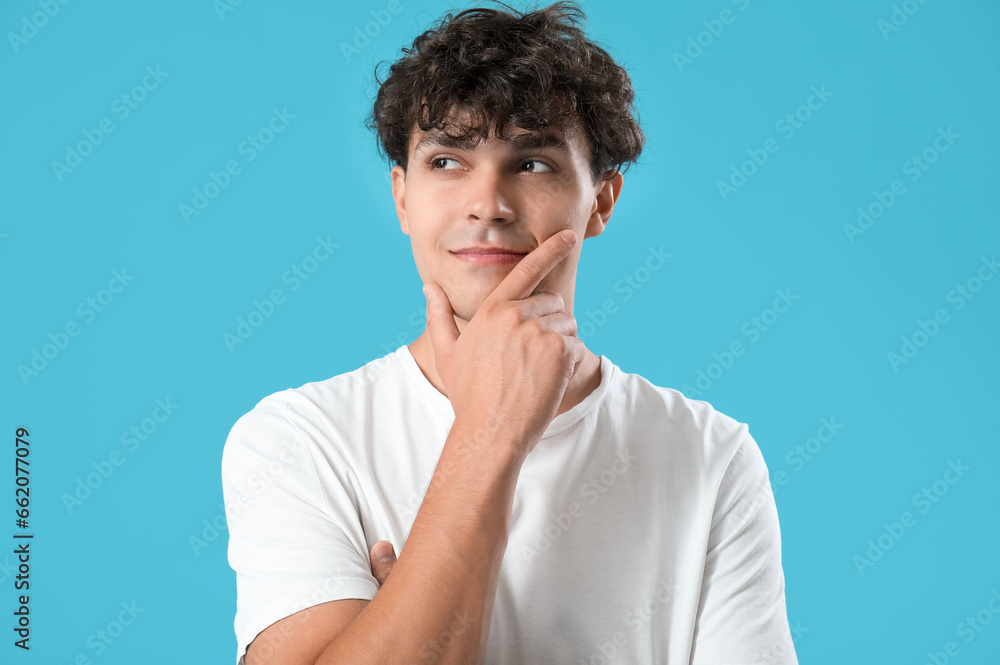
[134, 538]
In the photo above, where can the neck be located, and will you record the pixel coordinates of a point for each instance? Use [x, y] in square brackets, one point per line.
[585, 380]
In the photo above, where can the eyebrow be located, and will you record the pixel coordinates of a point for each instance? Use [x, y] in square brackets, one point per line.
[519, 142]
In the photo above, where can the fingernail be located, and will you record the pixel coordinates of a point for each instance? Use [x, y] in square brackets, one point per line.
[425, 292]
[570, 238]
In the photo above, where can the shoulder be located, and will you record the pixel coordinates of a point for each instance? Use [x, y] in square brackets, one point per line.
[694, 433]
[312, 412]
[637, 394]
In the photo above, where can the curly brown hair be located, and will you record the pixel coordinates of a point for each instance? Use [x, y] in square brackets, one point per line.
[527, 70]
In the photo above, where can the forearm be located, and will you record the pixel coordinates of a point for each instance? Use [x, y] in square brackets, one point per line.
[439, 598]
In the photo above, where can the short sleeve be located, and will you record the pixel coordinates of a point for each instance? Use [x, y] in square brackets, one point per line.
[742, 617]
[292, 543]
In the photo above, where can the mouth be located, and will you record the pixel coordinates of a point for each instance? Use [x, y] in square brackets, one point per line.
[488, 258]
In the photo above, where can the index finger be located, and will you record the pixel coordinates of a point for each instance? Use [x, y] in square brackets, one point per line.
[529, 271]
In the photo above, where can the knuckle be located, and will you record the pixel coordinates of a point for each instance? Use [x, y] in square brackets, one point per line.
[512, 316]
[536, 328]
[554, 340]
[532, 333]
[569, 351]
[492, 308]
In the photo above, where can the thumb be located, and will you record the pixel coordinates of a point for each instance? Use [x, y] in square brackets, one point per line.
[440, 321]
[381, 568]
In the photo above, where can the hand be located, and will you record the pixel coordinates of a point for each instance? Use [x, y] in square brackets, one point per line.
[380, 570]
[515, 358]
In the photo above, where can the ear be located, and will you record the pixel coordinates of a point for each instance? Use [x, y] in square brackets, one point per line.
[604, 205]
[398, 176]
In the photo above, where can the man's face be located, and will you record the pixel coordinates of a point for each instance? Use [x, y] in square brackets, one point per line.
[513, 195]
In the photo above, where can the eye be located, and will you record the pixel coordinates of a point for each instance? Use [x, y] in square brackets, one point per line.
[535, 163]
[434, 163]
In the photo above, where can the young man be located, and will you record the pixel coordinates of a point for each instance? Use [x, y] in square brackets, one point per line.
[546, 506]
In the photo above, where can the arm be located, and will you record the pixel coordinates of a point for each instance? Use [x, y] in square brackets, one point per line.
[741, 615]
[442, 586]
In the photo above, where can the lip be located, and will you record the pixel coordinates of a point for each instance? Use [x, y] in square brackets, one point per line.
[485, 249]
[489, 255]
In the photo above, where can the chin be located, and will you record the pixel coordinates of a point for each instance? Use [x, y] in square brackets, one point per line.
[467, 300]
[467, 311]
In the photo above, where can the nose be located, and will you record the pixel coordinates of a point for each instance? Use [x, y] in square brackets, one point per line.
[487, 198]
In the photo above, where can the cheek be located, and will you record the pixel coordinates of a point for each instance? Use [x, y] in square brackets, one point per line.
[429, 252]
[568, 208]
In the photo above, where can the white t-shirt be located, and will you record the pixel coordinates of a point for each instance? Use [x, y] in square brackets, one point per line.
[643, 527]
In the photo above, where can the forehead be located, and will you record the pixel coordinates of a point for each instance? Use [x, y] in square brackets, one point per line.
[516, 139]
